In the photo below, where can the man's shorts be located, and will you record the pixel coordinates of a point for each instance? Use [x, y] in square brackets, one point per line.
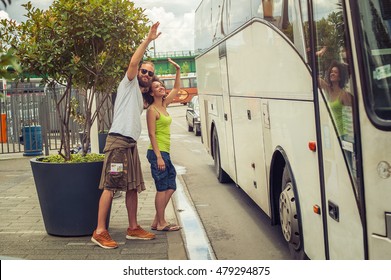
[164, 179]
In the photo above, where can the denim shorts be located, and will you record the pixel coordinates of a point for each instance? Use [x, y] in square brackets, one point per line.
[164, 179]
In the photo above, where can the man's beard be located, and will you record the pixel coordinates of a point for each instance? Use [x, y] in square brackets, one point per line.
[143, 83]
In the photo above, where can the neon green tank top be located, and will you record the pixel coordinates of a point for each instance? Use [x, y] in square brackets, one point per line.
[336, 109]
[163, 132]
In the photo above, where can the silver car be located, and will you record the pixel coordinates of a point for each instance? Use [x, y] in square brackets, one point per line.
[193, 116]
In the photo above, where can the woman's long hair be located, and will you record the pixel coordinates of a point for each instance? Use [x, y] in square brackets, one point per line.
[148, 98]
[343, 73]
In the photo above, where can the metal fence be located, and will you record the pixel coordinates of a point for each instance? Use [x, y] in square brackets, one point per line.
[29, 122]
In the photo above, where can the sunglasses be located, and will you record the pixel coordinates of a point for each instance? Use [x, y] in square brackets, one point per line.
[145, 71]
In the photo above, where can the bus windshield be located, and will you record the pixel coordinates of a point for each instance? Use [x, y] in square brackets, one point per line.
[376, 14]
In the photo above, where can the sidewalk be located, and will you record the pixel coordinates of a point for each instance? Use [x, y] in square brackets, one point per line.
[23, 235]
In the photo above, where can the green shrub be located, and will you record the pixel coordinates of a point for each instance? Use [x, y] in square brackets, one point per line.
[74, 158]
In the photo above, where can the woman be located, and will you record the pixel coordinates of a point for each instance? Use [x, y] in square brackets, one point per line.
[158, 154]
[337, 96]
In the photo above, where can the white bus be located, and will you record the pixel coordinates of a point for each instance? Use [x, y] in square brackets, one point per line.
[295, 103]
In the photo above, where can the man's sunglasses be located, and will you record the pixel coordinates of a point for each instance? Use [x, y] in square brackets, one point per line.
[145, 71]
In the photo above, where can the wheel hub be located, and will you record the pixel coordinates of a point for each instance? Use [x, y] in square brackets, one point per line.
[288, 217]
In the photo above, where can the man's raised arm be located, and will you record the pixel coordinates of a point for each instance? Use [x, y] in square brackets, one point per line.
[139, 53]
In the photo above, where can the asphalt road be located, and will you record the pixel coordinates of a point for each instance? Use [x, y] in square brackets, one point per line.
[235, 227]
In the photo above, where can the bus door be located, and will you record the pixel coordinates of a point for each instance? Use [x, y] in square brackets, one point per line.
[231, 170]
[342, 207]
[373, 24]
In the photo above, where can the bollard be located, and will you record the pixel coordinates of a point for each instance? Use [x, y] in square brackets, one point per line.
[3, 135]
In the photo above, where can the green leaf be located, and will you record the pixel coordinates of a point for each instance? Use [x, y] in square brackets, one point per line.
[102, 33]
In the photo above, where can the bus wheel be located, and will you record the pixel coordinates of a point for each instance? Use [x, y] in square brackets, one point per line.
[289, 217]
[222, 176]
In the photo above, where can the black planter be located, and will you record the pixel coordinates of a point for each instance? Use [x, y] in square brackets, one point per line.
[68, 195]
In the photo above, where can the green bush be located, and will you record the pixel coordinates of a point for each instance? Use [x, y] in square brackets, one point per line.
[74, 158]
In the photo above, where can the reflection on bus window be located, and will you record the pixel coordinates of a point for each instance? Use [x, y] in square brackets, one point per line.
[268, 7]
[221, 17]
[334, 86]
[334, 75]
[291, 17]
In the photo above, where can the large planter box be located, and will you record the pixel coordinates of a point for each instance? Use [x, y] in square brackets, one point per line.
[68, 195]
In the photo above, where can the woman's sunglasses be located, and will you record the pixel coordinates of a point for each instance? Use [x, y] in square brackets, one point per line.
[145, 71]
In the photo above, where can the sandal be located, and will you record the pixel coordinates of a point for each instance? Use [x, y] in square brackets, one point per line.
[169, 227]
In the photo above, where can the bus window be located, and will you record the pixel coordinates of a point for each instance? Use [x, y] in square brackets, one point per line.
[193, 82]
[188, 85]
[256, 8]
[276, 12]
[334, 76]
[169, 83]
[185, 83]
[377, 59]
[298, 16]
[235, 14]
[305, 22]
[290, 16]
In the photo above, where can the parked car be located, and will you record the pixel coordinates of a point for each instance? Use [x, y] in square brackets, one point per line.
[193, 116]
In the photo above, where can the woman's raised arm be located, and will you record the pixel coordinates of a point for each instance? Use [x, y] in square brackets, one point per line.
[177, 84]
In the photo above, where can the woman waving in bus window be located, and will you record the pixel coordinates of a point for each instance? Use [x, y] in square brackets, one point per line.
[337, 97]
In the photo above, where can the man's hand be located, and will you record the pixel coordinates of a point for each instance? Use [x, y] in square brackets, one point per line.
[139, 53]
[153, 33]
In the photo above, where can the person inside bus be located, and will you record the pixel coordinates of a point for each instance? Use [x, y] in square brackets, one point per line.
[268, 8]
[158, 154]
[334, 87]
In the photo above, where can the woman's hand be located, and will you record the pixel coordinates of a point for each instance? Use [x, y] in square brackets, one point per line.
[160, 164]
[321, 52]
[177, 84]
[174, 63]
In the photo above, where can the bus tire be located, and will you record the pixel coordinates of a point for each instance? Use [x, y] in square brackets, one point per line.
[290, 218]
[222, 176]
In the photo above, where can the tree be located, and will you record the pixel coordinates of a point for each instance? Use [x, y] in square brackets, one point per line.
[185, 68]
[330, 34]
[7, 58]
[82, 44]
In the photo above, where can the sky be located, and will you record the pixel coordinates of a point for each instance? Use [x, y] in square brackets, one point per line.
[176, 19]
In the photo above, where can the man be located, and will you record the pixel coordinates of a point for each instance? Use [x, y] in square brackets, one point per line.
[122, 168]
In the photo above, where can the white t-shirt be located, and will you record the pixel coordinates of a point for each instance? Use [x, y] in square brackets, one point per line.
[128, 108]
